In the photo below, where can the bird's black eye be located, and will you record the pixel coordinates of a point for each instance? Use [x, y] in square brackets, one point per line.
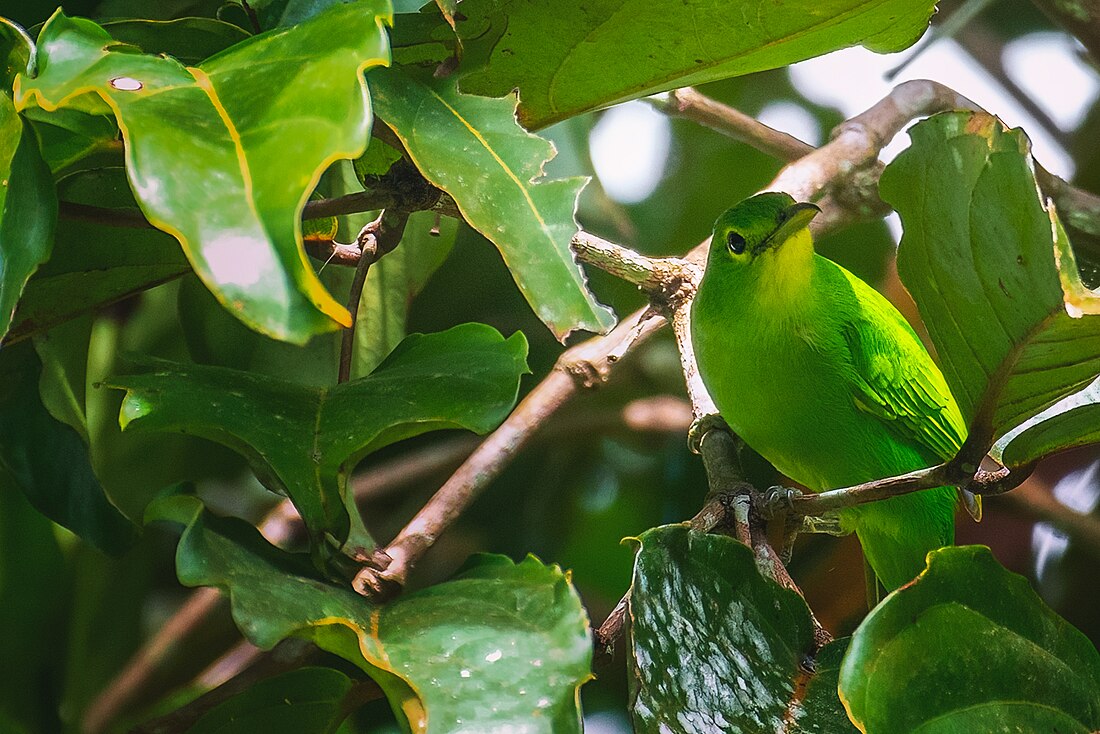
[735, 242]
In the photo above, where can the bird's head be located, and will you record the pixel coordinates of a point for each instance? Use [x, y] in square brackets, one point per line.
[761, 224]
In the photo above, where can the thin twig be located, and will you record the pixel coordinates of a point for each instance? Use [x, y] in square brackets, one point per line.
[689, 104]
[375, 240]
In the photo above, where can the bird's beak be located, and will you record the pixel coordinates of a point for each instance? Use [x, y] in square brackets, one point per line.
[795, 217]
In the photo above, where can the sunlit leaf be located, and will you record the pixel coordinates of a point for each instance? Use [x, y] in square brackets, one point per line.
[473, 148]
[991, 270]
[572, 56]
[716, 647]
[503, 647]
[302, 441]
[969, 647]
[223, 156]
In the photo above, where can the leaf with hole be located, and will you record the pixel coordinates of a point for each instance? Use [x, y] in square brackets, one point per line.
[224, 155]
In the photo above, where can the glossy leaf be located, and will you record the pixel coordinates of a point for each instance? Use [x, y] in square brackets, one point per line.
[473, 148]
[578, 55]
[302, 701]
[48, 461]
[94, 265]
[503, 647]
[715, 647]
[302, 441]
[28, 209]
[969, 647]
[17, 52]
[991, 270]
[223, 156]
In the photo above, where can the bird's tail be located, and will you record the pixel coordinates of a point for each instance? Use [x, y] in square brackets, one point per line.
[898, 533]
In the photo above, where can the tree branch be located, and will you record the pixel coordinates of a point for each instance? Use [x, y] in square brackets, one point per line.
[585, 365]
[1080, 17]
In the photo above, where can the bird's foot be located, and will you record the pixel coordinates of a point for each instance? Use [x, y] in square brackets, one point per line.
[701, 426]
[776, 499]
[827, 524]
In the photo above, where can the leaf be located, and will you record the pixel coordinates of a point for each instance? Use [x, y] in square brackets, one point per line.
[503, 647]
[969, 647]
[303, 441]
[473, 148]
[189, 40]
[572, 56]
[67, 136]
[303, 700]
[17, 52]
[28, 209]
[207, 147]
[991, 271]
[49, 462]
[93, 264]
[715, 647]
[32, 607]
[1072, 422]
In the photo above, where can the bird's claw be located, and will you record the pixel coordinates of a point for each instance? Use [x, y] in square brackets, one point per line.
[700, 427]
[780, 498]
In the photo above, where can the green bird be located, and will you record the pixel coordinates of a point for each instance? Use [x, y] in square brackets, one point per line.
[822, 376]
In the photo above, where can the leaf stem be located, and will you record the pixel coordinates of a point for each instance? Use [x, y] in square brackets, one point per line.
[375, 240]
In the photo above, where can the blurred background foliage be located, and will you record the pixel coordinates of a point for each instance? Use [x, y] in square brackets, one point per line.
[609, 466]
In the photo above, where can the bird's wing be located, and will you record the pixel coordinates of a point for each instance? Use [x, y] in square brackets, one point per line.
[894, 379]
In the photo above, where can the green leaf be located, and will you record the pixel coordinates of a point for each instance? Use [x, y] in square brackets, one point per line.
[207, 147]
[306, 700]
[715, 647]
[503, 647]
[190, 40]
[32, 607]
[303, 441]
[991, 271]
[969, 647]
[473, 148]
[48, 460]
[1072, 422]
[572, 56]
[28, 209]
[17, 52]
[92, 264]
[67, 136]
